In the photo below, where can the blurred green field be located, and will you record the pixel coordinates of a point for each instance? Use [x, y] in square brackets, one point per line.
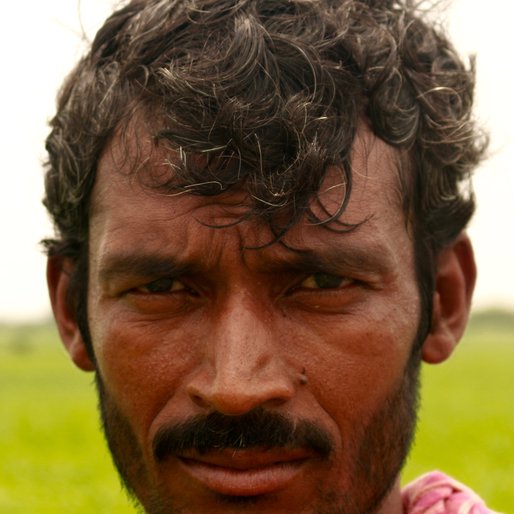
[53, 458]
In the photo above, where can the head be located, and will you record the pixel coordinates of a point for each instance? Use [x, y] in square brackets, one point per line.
[276, 144]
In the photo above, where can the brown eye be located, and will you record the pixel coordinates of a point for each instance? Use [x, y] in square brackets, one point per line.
[323, 281]
[162, 285]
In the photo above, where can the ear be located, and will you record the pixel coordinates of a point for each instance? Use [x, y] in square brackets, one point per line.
[455, 282]
[58, 274]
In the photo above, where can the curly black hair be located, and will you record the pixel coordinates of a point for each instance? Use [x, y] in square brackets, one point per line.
[280, 87]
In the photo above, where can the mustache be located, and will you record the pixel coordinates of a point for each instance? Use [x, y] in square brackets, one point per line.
[257, 428]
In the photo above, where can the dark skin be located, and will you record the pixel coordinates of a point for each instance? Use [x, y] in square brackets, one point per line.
[186, 322]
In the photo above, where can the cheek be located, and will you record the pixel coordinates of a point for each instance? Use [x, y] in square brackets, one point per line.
[353, 364]
[142, 364]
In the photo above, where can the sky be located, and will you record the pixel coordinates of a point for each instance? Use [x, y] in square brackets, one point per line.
[40, 42]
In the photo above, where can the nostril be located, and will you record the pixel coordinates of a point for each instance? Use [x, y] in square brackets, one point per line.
[198, 394]
[242, 368]
[196, 398]
[232, 396]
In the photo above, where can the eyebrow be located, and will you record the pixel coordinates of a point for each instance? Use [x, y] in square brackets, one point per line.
[148, 265]
[142, 264]
[346, 258]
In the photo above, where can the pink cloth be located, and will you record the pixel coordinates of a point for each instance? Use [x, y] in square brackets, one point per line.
[436, 493]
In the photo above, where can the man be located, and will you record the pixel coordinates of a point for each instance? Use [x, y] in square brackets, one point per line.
[260, 211]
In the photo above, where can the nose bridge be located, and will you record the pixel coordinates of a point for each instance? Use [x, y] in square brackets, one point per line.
[246, 366]
[243, 339]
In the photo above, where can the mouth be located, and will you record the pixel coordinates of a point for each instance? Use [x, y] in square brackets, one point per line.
[252, 472]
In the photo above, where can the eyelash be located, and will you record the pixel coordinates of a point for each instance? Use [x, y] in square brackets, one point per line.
[318, 281]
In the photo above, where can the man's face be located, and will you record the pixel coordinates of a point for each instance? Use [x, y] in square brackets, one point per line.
[236, 379]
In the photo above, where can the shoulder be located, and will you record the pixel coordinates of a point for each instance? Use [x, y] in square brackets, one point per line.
[437, 493]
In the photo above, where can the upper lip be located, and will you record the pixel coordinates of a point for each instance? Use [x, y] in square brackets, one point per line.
[249, 459]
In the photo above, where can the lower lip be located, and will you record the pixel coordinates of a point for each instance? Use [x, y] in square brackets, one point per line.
[244, 482]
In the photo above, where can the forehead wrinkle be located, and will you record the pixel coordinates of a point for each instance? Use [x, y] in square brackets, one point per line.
[139, 170]
[374, 156]
[197, 250]
[376, 171]
[370, 155]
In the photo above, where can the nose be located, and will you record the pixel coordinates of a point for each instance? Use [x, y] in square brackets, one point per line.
[244, 366]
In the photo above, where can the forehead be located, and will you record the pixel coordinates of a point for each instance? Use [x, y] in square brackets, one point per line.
[130, 221]
[132, 165]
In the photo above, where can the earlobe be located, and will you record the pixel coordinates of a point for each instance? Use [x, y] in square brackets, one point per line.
[455, 282]
[58, 273]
